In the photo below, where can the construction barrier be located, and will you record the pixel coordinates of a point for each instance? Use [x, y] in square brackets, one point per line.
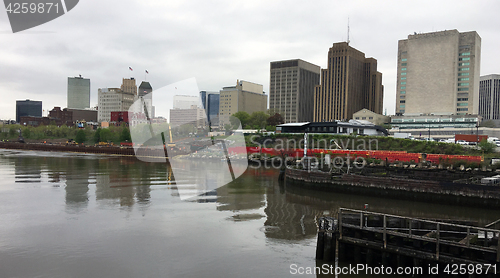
[389, 156]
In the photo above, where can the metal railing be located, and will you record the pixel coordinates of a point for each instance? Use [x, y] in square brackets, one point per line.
[438, 234]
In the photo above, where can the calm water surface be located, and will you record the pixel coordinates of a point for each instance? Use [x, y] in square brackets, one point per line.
[76, 215]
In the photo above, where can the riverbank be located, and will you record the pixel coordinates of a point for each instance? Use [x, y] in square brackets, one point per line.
[453, 189]
[126, 151]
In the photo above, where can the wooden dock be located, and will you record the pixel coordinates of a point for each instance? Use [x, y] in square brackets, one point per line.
[377, 238]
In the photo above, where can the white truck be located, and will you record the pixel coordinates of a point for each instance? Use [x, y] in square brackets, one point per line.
[403, 135]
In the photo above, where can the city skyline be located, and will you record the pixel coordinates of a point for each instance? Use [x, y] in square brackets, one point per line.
[37, 62]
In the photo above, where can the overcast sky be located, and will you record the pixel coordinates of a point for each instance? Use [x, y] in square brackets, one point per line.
[217, 42]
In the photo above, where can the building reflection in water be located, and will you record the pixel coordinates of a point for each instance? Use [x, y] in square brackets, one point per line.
[27, 170]
[128, 181]
[245, 193]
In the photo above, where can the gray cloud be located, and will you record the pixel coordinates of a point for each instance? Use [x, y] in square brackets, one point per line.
[217, 42]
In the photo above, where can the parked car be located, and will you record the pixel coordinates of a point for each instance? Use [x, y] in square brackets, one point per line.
[462, 142]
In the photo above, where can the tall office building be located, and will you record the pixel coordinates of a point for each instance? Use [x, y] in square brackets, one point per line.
[350, 83]
[145, 92]
[128, 86]
[78, 92]
[28, 108]
[245, 96]
[210, 102]
[489, 97]
[291, 89]
[145, 88]
[438, 73]
[112, 100]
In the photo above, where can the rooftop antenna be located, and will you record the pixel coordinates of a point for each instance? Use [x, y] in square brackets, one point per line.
[348, 41]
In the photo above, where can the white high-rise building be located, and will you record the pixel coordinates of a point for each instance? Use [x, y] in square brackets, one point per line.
[112, 100]
[438, 73]
[78, 92]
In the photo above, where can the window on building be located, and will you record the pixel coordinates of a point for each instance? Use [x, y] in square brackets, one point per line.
[402, 92]
[463, 84]
[357, 118]
[404, 60]
[463, 64]
[463, 104]
[464, 59]
[402, 101]
[462, 109]
[464, 54]
[403, 68]
[463, 99]
[363, 118]
[403, 78]
[402, 96]
[463, 79]
[404, 64]
[403, 73]
[463, 89]
[401, 106]
[403, 87]
[463, 74]
[463, 69]
[403, 83]
[370, 118]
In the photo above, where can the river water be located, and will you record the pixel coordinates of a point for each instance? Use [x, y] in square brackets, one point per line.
[85, 215]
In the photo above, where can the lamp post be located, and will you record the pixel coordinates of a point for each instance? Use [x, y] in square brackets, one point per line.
[477, 133]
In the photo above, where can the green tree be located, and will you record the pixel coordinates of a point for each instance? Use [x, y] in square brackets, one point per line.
[243, 116]
[125, 135]
[106, 135]
[97, 136]
[81, 137]
[271, 128]
[258, 119]
[486, 146]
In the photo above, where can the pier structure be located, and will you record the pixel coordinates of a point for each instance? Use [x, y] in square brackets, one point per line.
[382, 239]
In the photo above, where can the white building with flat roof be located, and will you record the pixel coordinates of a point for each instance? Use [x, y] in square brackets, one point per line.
[78, 93]
[112, 100]
[438, 73]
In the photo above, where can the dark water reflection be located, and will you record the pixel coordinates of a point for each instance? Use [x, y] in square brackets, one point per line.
[75, 215]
